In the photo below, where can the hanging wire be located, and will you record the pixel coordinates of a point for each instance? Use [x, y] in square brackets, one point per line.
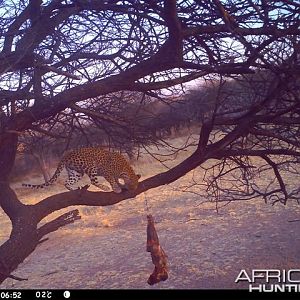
[146, 206]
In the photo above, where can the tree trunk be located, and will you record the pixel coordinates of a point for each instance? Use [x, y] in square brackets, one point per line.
[25, 234]
[40, 157]
[23, 238]
[22, 242]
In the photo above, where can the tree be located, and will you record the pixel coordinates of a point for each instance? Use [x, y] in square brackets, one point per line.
[63, 61]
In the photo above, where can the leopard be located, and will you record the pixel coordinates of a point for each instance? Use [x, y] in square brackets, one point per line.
[94, 161]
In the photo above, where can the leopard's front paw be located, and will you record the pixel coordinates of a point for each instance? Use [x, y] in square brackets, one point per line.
[117, 190]
[104, 188]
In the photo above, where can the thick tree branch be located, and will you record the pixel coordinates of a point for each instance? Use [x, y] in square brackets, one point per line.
[229, 68]
[223, 28]
[274, 135]
[63, 220]
[98, 115]
[174, 26]
[261, 119]
[48, 133]
[47, 68]
[259, 153]
[144, 87]
[8, 147]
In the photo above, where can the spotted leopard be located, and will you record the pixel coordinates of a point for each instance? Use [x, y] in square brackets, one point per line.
[94, 162]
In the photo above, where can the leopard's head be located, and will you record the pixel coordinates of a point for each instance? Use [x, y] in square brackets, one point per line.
[130, 181]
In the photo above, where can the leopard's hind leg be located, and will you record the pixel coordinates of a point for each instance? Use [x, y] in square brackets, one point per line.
[73, 177]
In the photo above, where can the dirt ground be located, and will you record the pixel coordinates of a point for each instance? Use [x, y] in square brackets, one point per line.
[206, 249]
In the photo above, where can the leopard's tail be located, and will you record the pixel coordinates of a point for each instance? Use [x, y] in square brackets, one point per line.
[60, 167]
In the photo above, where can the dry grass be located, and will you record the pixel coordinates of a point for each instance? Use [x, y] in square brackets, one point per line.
[206, 249]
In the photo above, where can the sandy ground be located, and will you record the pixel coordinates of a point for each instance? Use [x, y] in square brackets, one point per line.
[206, 248]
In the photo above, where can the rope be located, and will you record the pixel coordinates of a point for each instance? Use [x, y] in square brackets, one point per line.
[146, 206]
